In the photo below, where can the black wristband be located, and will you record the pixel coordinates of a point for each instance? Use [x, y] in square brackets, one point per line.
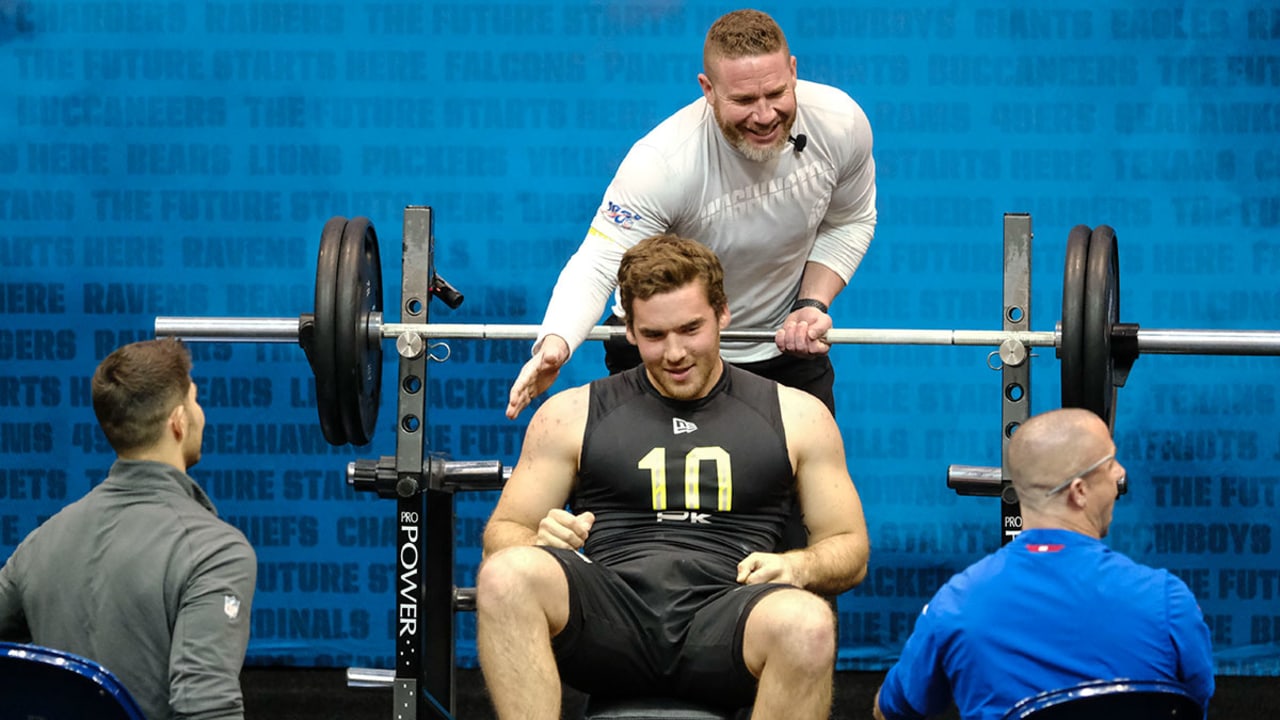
[808, 302]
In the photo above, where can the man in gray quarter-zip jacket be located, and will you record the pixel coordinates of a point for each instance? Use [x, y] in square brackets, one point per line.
[140, 575]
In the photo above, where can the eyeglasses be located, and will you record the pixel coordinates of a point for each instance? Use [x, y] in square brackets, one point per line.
[1066, 483]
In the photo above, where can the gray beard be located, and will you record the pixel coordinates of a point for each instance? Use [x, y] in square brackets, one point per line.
[759, 154]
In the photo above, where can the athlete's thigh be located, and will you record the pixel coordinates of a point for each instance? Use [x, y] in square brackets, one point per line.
[610, 643]
[711, 665]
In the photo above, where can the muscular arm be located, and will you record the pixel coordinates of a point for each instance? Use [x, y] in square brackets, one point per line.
[639, 202]
[804, 332]
[544, 475]
[836, 556]
[849, 225]
[634, 207]
[579, 296]
[842, 240]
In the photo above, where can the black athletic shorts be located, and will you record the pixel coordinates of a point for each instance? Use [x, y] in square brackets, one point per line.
[657, 627]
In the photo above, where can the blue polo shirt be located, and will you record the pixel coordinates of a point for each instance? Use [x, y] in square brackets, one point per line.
[1051, 609]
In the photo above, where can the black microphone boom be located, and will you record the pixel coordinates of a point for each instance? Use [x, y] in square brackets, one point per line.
[799, 141]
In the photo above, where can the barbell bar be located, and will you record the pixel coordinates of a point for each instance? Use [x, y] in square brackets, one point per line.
[1150, 341]
[343, 337]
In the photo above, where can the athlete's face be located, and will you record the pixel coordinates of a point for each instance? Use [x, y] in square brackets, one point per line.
[754, 101]
[678, 335]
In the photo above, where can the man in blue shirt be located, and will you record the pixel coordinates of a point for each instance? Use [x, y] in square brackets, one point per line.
[1054, 607]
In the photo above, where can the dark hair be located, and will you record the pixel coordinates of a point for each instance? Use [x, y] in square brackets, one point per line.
[136, 387]
[742, 33]
[663, 263]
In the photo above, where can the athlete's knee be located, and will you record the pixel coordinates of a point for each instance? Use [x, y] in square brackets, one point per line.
[798, 628]
[515, 575]
[812, 628]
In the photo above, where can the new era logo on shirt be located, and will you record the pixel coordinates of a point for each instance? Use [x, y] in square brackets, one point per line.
[680, 427]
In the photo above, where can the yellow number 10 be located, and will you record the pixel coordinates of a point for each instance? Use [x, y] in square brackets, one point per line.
[656, 463]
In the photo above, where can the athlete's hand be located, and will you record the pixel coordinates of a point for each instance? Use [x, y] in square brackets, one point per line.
[804, 333]
[563, 529]
[537, 374]
[759, 567]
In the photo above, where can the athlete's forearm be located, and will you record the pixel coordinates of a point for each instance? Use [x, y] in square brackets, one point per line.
[832, 565]
[501, 534]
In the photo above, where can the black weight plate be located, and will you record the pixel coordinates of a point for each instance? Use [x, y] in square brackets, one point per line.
[1101, 313]
[1071, 349]
[359, 357]
[325, 340]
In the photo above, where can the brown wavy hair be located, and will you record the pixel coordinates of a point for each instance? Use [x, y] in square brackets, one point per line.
[663, 263]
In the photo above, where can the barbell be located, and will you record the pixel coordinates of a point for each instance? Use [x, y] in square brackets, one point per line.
[343, 337]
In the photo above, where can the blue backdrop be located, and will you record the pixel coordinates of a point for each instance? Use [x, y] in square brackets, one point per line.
[180, 158]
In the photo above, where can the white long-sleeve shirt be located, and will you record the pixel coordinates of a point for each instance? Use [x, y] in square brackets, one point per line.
[764, 220]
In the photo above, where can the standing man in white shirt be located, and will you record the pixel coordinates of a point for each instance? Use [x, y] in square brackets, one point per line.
[773, 173]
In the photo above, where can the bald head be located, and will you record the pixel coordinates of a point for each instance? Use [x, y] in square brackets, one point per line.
[1051, 447]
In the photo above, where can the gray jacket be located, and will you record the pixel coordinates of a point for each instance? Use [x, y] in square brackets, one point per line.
[141, 576]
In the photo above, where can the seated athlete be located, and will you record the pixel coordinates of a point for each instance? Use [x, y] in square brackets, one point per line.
[140, 575]
[1055, 607]
[680, 474]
